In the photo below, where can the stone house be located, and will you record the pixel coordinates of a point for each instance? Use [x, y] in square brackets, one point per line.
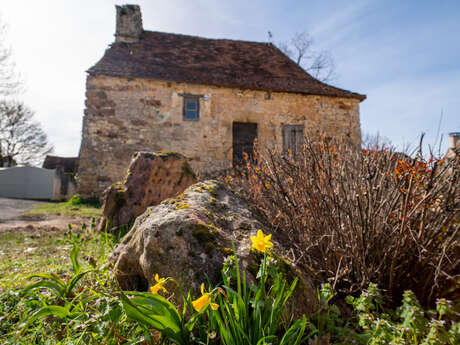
[205, 98]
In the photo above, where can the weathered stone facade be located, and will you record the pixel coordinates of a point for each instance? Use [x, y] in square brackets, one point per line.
[124, 116]
[205, 98]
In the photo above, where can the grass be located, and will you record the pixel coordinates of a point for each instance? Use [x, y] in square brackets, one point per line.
[67, 209]
[48, 252]
[25, 253]
[95, 314]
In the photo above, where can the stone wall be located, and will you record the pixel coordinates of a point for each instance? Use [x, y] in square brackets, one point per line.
[65, 185]
[123, 116]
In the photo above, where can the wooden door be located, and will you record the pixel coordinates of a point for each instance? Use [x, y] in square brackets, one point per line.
[293, 138]
[244, 134]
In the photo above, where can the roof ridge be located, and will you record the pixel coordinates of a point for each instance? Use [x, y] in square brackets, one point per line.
[211, 61]
[208, 38]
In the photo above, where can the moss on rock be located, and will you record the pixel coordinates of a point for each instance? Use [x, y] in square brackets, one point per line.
[211, 189]
[226, 251]
[206, 236]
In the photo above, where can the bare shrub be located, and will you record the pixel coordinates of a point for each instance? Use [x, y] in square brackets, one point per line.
[354, 216]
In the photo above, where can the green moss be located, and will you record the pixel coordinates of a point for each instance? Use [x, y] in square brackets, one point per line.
[213, 202]
[120, 199]
[181, 196]
[206, 235]
[204, 232]
[284, 267]
[208, 247]
[165, 155]
[178, 202]
[181, 205]
[208, 213]
[226, 251]
[187, 170]
[169, 201]
[211, 189]
[218, 206]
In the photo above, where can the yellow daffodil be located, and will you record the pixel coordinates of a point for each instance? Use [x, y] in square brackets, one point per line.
[261, 242]
[203, 301]
[159, 285]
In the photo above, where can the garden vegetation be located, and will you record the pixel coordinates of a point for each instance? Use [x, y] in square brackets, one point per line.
[377, 230]
[354, 217]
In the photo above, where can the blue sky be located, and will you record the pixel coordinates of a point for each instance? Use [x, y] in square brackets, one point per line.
[404, 55]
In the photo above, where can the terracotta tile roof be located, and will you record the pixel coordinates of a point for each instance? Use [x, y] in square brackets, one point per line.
[219, 62]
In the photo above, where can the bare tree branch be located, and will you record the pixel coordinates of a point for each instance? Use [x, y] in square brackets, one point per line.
[10, 82]
[319, 65]
[323, 67]
[22, 140]
[302, 43]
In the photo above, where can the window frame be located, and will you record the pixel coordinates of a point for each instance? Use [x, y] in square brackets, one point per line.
[297, 141]
[188, 98]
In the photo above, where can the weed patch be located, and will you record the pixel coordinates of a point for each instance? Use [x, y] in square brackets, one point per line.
[67, 209]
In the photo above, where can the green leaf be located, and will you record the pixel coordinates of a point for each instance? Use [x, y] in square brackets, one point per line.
[71, 284]
[266, 340]
[74, 257]
[164, 324]
[290, 291]
[297, 328]
[54, 277]
[156, 304]
[44, 284]
[53, 310]
[115, 314]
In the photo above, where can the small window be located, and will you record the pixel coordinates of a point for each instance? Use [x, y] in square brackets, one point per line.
[293, 138]
[191, 108]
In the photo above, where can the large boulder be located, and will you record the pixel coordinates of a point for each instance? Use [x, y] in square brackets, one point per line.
[151, 178]
[189, 237]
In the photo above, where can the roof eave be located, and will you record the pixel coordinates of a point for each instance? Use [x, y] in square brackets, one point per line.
[354, 95]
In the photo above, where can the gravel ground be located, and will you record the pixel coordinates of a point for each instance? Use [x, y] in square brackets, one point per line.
[12, 218]
[14, 208]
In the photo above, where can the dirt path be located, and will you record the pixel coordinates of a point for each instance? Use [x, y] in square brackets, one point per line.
[13, 208]
[12, 218]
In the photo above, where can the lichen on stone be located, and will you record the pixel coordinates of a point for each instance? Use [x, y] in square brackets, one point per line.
[165, 155]
[186, 171]
[213, 201]
[120, 198]
[206, 236]
[181, 205]
[179, 202]
[211, 189]
[226, 251]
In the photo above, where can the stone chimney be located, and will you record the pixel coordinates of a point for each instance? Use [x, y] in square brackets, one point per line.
[454, 148]
[454, 140]
[129, 23]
